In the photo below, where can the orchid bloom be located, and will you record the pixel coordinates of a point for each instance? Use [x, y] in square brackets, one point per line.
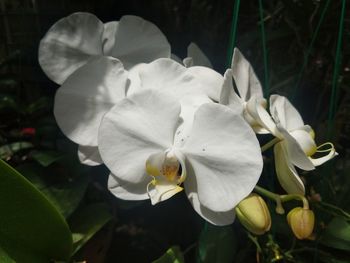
[74, 40]
[248, 88]
[150, 155]
[93, 89]
[195, 57]
[296, 146]
[198, 64]
[82, 100]
[77, 52]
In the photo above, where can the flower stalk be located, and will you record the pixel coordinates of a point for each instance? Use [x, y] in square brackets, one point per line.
[279, 199]
[268, 145]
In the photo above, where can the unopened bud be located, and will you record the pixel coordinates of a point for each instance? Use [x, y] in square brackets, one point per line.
[301, 221]
[254, 214]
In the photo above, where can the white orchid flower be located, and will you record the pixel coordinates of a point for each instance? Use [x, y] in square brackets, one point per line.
[82, 100]
[195, 57]
[72, 41]
[248, 88]
[96, 87]
[296, 147]
[198, 64]
[218, 162]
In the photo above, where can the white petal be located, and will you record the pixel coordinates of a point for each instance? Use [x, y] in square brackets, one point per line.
[284, 112]
[211, 81]
[296, 154]
[189, 106]
[198, 57]
[169, 76]
[126, 190]
[305, 141]
[254, 124]
[286, 173]
[256, 108]
[162, 192]
[134, 79]
[228, 95]
[108, 38]
[223, 156]
[309, 130]
[136, 127]
[215, 218]
[321, 160]
[69, 44]
[89, 155]
[246, 81]
[138, 41]
[86, 96]
[188, 62]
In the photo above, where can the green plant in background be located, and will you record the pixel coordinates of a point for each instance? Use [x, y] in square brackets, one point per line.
[32, 230]
[304, 221]
[77, 192]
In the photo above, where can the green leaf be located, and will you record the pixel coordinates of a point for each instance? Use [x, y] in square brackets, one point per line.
[5, 258]
[10, 149]
[337, 234]
[172, 255]
[45, 158]
[216, 244]
[41, 104]
[32, 230]
[86, 222]
[77, 237]
[64, 194]
[8, 102]
[6, 81]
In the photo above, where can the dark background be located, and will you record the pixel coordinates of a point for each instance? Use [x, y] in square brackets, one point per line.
[140, 232]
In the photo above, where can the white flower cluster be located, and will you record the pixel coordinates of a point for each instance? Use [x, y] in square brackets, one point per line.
[163, 126]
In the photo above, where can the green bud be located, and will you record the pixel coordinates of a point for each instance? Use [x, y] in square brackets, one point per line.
[254, 214]
[301, 221]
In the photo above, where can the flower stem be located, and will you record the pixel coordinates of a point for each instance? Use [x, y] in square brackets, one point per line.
[255, 241]
[279, 199]
[286, 198]
[232, 40]
[265, 192]
[269, 144]
[273, 196]
[264, 49]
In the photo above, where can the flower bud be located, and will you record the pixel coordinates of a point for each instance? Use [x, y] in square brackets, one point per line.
[254, 214]
[301, 221]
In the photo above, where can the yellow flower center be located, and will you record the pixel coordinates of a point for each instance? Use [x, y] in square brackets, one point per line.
[305, 140]
[167, 173]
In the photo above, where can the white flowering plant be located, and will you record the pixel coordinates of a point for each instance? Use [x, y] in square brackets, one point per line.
[163, 126]
[166, 127]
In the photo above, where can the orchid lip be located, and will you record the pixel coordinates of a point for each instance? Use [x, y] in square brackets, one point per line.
[144, 125]
[330, 150]
[305, 141]
[310, 148]
[168, 173]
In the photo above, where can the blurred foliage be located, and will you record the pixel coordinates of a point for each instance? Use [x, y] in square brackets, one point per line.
[216, 244]
[106, 229]
[172, 255]
[31, 229]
